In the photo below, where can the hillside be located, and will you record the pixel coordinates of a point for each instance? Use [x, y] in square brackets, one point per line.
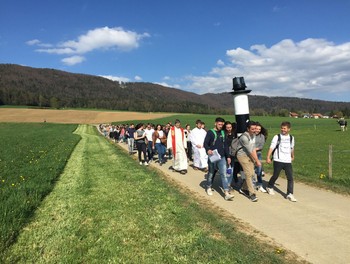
[20, 85]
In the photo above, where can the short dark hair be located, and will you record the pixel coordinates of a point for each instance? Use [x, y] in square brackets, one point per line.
[220, 119]
[251, 123]
[286, 123]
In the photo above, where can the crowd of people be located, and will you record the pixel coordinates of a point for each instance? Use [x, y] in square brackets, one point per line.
[237, 159]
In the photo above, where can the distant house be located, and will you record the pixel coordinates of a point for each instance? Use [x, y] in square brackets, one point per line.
[294, 115]
[317, 115]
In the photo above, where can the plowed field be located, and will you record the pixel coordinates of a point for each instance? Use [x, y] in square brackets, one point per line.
[72, 116]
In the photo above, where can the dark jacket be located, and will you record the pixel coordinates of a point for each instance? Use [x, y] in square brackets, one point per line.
[221, 143]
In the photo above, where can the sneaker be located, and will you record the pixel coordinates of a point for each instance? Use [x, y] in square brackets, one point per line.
[270, 191]
[253, 198]
[261, 189]
[140, 162]
[146, 164]
[209, 192]
[228, 196]
[244, 192]
[291, 198]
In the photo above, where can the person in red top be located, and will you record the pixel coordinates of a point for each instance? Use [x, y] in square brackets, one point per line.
[177, 143]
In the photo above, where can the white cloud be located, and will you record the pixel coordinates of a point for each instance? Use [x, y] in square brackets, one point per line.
[36, 42]
[33, 42]
[116, 78]
[288, 68]
[73, 60]
[220, 63]
[104, 38]
[169, 85]
[138, 78]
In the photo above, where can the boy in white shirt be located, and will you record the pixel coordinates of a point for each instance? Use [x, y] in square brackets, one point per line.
[282, 149]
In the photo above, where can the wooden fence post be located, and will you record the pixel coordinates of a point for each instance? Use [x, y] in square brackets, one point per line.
[330, 161]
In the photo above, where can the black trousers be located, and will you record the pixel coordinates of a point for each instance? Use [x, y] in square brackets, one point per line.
[277, 168]
[141, 148]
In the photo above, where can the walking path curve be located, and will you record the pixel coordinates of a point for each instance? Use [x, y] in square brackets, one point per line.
[316, 228]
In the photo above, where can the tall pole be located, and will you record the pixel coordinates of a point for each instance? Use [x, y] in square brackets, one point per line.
[241, 104]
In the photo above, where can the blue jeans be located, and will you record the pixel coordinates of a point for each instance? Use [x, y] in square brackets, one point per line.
[259, 169]
[150, 150]
[131, 145]
[221, 165]
[161, 151]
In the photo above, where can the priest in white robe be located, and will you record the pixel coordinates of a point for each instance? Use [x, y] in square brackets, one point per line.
[200, 157]
[176, 141]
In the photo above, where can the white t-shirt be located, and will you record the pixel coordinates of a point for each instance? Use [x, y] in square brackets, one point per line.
[149, 133]
[160, 135]
[284, 151]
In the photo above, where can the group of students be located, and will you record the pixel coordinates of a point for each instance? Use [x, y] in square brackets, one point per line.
[219, 150]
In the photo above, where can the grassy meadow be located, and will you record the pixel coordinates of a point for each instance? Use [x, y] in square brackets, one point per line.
[312, 138]
[104, 207]
[32, 158]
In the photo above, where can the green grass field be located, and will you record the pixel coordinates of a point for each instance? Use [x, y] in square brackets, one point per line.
[32, 158]
[312, 138]
[104, 208]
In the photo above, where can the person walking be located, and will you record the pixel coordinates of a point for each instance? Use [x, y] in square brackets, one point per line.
[140, 138]
[149, 136]
[157, 138]
[177, 144]
[260, 139]
[130, 135]
[200, 157]
[187, 132]
[248, 158]
[216, 147]
[282, 150]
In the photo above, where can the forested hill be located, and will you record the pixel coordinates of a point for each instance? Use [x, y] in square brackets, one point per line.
[21, 85]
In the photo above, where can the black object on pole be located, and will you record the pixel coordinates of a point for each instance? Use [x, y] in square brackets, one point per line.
[240, 104]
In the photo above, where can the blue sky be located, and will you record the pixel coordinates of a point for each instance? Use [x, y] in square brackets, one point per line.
[297, 48]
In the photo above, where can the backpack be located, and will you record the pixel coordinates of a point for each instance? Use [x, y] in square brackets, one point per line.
[236, 146]
[216, 136]
[278, 144]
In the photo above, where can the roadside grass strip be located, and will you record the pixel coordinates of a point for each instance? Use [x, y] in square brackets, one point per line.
[105, 208]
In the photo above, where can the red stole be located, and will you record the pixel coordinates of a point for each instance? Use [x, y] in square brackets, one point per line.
[172, 130]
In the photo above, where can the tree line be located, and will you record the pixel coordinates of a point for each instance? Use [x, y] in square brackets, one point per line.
[20, 85]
